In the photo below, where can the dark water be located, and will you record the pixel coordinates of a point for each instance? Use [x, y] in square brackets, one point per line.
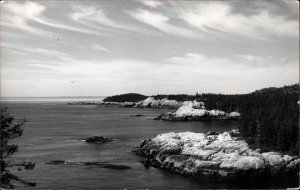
[54, 132]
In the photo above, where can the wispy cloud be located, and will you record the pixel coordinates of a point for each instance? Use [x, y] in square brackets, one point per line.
[98, 47]
[225, 72]
[239, 61]
[220, 16]
[21, 14]
[151, 3]
[160, 22]
[251, 58]
[97, 18]
[196, 59]
[37, 51]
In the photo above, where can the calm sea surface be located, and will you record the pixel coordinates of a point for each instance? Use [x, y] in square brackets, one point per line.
[54, 132]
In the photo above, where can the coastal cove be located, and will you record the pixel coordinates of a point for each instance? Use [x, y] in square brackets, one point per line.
[55, 131]
[149, 94]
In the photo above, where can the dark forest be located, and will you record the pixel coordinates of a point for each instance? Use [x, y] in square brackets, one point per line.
[269, 117]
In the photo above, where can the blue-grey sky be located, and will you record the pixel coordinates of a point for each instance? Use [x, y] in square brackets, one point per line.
[100, 48]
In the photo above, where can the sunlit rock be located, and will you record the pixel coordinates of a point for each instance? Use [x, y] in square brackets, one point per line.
[223, 155]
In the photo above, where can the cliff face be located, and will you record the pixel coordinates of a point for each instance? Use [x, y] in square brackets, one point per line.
[219, 155]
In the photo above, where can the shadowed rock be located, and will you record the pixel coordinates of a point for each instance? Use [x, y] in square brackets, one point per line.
[116, 167]
[98, 140]
[137, 115]
[56, 162]
[97, 164]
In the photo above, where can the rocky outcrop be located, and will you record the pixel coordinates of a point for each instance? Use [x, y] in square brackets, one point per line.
[150, 102]
[147, 103]
[193, 110]
[158, 103]
[109, 104]
[214, 155]
[127, 104]
[98, 140]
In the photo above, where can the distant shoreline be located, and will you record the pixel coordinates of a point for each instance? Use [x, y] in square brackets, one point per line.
[57, 97]
[52, 99]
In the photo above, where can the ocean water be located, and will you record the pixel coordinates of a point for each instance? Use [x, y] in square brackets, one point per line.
[55, 131]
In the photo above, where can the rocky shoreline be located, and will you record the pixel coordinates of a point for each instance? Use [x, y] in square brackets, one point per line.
[158, 103]
[147, 103]
[220, 156]
[195, 111]
[183, 111]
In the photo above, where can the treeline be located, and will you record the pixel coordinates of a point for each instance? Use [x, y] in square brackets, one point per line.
[270, 116]
[130, 97]
[270, 119]
[178, 97]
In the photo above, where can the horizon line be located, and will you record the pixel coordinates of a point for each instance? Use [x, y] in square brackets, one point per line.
[143, 94]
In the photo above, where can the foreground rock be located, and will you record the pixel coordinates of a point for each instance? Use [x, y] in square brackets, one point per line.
[193, 110]
[220, 156]
[98, 140]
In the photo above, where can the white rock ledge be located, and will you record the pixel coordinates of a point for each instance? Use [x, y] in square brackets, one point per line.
[151, 102]
[193, 110]
[212, 154]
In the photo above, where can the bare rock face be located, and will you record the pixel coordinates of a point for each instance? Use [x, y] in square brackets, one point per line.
[214, 155]
[193, 110]
[158, 103]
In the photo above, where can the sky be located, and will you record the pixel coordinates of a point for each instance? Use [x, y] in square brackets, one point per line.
[102, 48]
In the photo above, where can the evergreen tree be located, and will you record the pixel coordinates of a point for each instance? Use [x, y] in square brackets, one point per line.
[9, 130]
[258, 134]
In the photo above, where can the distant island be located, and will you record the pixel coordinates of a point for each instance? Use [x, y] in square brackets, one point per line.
[130, 97]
